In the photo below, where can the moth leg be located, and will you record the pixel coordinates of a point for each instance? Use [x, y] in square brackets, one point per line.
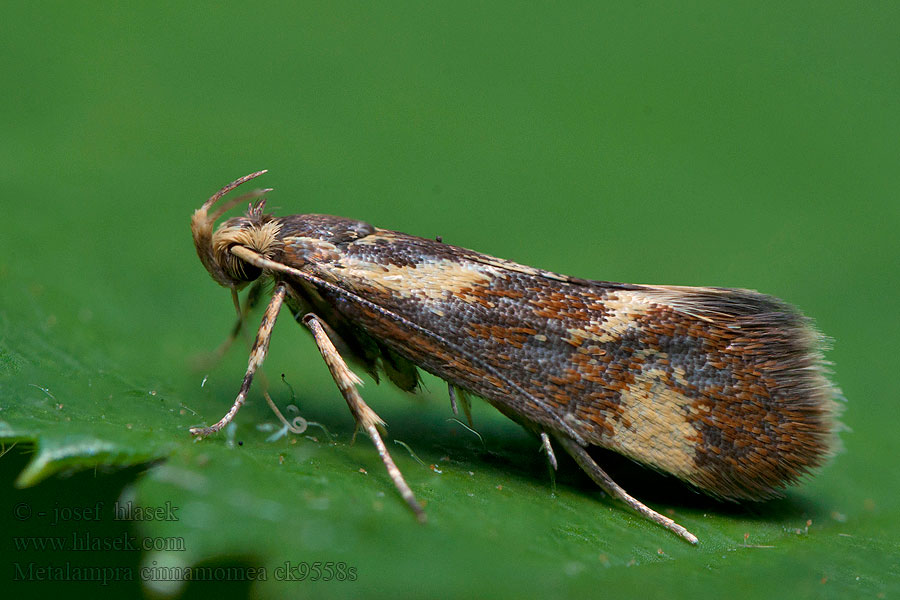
[250, 302]
[460, 393]
[257, 356]
[347, 381]
[546, 447]
[589, 466]
[211, 359]
[452, 391]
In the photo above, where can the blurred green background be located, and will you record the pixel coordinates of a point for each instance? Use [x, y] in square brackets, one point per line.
[699, 144]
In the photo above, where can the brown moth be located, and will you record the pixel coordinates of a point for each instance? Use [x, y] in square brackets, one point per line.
[725, 389]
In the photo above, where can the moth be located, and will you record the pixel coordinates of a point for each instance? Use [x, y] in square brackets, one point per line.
[723, 388]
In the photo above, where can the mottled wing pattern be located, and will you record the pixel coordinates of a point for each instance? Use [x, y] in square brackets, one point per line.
[723, 388]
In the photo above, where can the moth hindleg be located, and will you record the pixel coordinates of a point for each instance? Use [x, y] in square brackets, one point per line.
[589, 466]
[347, 381]
[257, 356]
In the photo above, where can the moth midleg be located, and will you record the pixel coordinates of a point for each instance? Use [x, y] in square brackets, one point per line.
[589, 466]
[546, 447]
[347, 381]
[257, 356]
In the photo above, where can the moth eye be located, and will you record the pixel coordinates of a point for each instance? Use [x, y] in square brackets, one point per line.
[241, 270]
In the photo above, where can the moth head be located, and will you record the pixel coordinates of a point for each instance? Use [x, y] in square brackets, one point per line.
[255, 230]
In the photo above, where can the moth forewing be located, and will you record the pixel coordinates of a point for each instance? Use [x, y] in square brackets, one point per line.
[723, 388]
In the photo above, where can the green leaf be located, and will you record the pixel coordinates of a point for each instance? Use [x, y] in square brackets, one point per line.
[706, 145]
[247, 500]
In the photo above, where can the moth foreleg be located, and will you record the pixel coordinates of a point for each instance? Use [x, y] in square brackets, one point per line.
[589, 466]
[208, 361]
[257, 356]
[347, 381]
